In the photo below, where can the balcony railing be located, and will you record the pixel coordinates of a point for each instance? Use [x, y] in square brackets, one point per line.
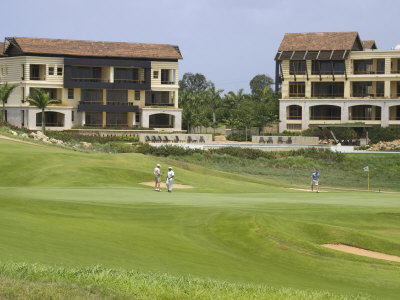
[368, 95]
[297, 95]
[119, 103]
[129, 81]
[167, 82]
[368, 72]
[159, 104]
[91, 102]
[56, 124]
[37, 78]
[318, 118]
[341, 95]
[89, 80]
[365, 118]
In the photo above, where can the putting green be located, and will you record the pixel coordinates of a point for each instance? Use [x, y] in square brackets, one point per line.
[66, 208]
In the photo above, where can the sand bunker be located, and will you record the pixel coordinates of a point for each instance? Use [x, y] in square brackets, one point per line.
[306, 190]
[362, 252]
[163, 185]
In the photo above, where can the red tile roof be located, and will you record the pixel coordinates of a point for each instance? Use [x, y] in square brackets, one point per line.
[370, 44]
[97, 49]
[318, 41]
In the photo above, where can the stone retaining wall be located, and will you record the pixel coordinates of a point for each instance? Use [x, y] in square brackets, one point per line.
[296, 140]
[111, 132]
[153, 137]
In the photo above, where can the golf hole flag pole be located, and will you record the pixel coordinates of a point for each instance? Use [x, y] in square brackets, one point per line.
[366, 169]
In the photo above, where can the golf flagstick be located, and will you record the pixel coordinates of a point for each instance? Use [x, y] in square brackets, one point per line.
[366, 169]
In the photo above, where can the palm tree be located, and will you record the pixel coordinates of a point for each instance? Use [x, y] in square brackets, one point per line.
[41, 100]
[235, 98]
[213, 99]
[5, 92]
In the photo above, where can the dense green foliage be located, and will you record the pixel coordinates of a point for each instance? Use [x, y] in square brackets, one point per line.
[203, 104]
[5, 92]
[41, 99]
[167, 150]
[238, 137]
[375, 134]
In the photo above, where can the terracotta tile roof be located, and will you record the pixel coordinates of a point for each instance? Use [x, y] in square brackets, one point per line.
[97, 49]
[318, 41]
[370, 44]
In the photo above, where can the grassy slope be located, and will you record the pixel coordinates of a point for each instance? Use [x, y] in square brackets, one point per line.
[384, 169]
[77, 209]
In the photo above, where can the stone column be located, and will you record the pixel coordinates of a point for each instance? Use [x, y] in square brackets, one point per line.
[27, 72]
[282, 116]
[388, 65]
[104, 119]
[305, 118]
[178, 121]
[83, 118]
[347, 89]
[387, 94]
[145, 119]
[345, 113]
[67, 118]
[26, 92]
[308, 89]
[385, 114]
[111, 74]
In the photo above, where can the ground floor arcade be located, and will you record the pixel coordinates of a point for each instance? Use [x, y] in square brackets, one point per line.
[299, 115]
[59, 118]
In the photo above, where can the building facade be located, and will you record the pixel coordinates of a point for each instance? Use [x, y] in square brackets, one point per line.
[106, 84]
[335, 78]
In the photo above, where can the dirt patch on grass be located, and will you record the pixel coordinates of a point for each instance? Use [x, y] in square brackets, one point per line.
[306, 190]
[163, 185]
[362, 252]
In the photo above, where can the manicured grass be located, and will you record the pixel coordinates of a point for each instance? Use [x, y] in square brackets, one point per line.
[349, 173]
[76, 210]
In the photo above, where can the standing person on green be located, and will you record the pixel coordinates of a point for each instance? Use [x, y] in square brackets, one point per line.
[315, 181]
[157, 178]
[170, 179]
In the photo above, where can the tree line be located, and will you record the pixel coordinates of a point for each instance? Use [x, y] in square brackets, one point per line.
[205, 105]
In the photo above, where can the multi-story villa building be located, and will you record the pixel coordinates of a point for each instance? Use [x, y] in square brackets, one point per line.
[336, 78]
[95, 83]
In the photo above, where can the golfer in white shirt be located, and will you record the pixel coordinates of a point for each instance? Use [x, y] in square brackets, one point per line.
[170, 179]
[157, 178]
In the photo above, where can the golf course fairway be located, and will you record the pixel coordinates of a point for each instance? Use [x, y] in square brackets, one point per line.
[70, 209]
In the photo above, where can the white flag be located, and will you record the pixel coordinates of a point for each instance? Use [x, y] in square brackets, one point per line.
[366, 169]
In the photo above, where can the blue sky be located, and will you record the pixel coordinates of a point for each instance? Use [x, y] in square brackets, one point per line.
[228, 41]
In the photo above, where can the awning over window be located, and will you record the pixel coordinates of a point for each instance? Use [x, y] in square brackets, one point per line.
[312, 55]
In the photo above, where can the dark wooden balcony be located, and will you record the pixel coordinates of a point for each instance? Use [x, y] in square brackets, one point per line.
[108, 107]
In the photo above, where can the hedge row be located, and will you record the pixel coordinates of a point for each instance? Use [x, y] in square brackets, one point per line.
[245, 153]
[375, 134]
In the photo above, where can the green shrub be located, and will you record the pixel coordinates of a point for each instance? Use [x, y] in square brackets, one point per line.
[238, 137]
[119, 147]
[243, 153]
[165, 150]
[383, 134]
